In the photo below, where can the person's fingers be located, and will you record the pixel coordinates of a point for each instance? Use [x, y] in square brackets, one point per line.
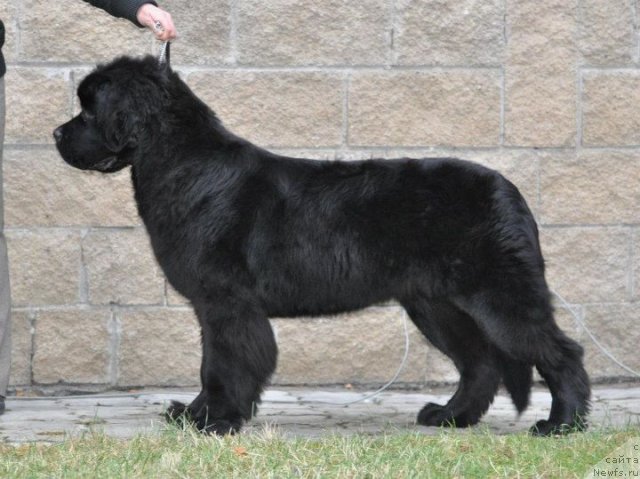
[164, 29]
[158, 21]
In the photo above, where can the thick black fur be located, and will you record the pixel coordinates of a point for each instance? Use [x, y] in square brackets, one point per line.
[246, 234]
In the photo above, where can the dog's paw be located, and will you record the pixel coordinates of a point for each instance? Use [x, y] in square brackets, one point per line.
[437, 415]
[549, 428]
[178, 413]
[175, 410]
[182, 415]
[219, 427]
[212, 425]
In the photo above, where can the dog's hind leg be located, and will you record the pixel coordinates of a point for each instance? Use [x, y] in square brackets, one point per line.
[238, 357]
[455, 334]
[518, 319]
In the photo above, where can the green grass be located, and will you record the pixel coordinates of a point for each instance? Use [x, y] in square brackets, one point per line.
[185, 454]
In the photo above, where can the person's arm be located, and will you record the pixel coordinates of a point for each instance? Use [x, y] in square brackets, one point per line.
[143, 13]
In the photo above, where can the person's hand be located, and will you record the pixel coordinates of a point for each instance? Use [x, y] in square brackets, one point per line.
[158, 21]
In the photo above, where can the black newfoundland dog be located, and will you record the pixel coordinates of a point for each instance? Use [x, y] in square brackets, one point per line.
[245, 235]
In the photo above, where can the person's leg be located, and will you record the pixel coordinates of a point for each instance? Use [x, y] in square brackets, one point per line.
[5, 299]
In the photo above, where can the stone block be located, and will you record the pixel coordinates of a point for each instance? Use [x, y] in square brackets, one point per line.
[121, 268]
[540, 74]
[40, 189]
[540, 108]
[287, 109]
[204, 31]
[21, 348]
[437, 32]
[72, 31]
[611, 109]
[615, 326]
[541, 33]
[607, 35]
[451, 108]
[159, 347]
[588, 264]
[596, 187]
[72, 346]
[306, 32]
[44, 267]
[37, 102]
[365, 347]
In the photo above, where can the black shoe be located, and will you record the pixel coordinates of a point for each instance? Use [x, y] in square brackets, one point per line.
[1, 404]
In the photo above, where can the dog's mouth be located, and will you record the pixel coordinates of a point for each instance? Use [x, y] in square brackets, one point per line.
[110, 164]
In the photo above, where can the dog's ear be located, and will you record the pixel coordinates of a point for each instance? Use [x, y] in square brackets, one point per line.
[118, 112]
[120, 129]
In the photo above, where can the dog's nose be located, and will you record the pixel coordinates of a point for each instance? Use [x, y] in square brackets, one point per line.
[57, 133]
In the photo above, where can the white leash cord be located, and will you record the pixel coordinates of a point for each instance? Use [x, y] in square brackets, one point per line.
[395, 376]
[582, 324]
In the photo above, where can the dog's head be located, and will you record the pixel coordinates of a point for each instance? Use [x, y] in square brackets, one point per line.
[118, 101]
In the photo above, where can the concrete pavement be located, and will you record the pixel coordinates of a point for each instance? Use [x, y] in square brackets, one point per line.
[293, 412]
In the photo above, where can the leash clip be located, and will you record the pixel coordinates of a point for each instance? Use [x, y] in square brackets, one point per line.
[163, 57]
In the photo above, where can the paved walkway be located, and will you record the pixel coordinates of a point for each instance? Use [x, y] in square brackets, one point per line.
[293, 412]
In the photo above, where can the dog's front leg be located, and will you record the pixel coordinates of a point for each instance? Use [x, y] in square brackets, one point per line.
[238, 357]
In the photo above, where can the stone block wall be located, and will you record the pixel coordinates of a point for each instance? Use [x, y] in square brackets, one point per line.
[546, 91]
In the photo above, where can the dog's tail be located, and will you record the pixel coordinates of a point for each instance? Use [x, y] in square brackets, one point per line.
[517, 377]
